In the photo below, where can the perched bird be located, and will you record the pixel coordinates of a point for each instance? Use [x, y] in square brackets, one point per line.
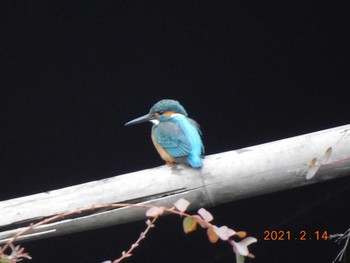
[176, 137]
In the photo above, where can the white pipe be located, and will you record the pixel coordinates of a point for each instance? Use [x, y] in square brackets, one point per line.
[226, 177]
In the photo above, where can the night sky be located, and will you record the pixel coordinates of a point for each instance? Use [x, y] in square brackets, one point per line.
[73, 72]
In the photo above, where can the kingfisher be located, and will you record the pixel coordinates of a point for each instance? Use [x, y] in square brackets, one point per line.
[176, 137]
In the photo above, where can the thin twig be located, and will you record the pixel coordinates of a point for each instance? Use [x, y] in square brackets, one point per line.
[150, 224]
[341, 237]
[63, 215]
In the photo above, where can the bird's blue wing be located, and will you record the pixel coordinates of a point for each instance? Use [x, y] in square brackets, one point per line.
[198, 139]
[172, 139]
[192, 133]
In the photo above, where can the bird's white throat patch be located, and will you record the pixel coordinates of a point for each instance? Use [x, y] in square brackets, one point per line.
[155, 121]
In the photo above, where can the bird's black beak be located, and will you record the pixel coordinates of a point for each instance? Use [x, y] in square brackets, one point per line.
[141, 119]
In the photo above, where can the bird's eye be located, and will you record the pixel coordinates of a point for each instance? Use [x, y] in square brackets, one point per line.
[160, 112]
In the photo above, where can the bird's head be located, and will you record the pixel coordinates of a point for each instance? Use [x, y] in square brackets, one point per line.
[161, 111]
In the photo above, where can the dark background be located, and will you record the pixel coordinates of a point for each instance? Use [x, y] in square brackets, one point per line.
[73, 72]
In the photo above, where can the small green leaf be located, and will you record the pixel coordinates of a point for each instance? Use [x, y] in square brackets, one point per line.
[239, 258]
[213, 237]
[189, 224]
